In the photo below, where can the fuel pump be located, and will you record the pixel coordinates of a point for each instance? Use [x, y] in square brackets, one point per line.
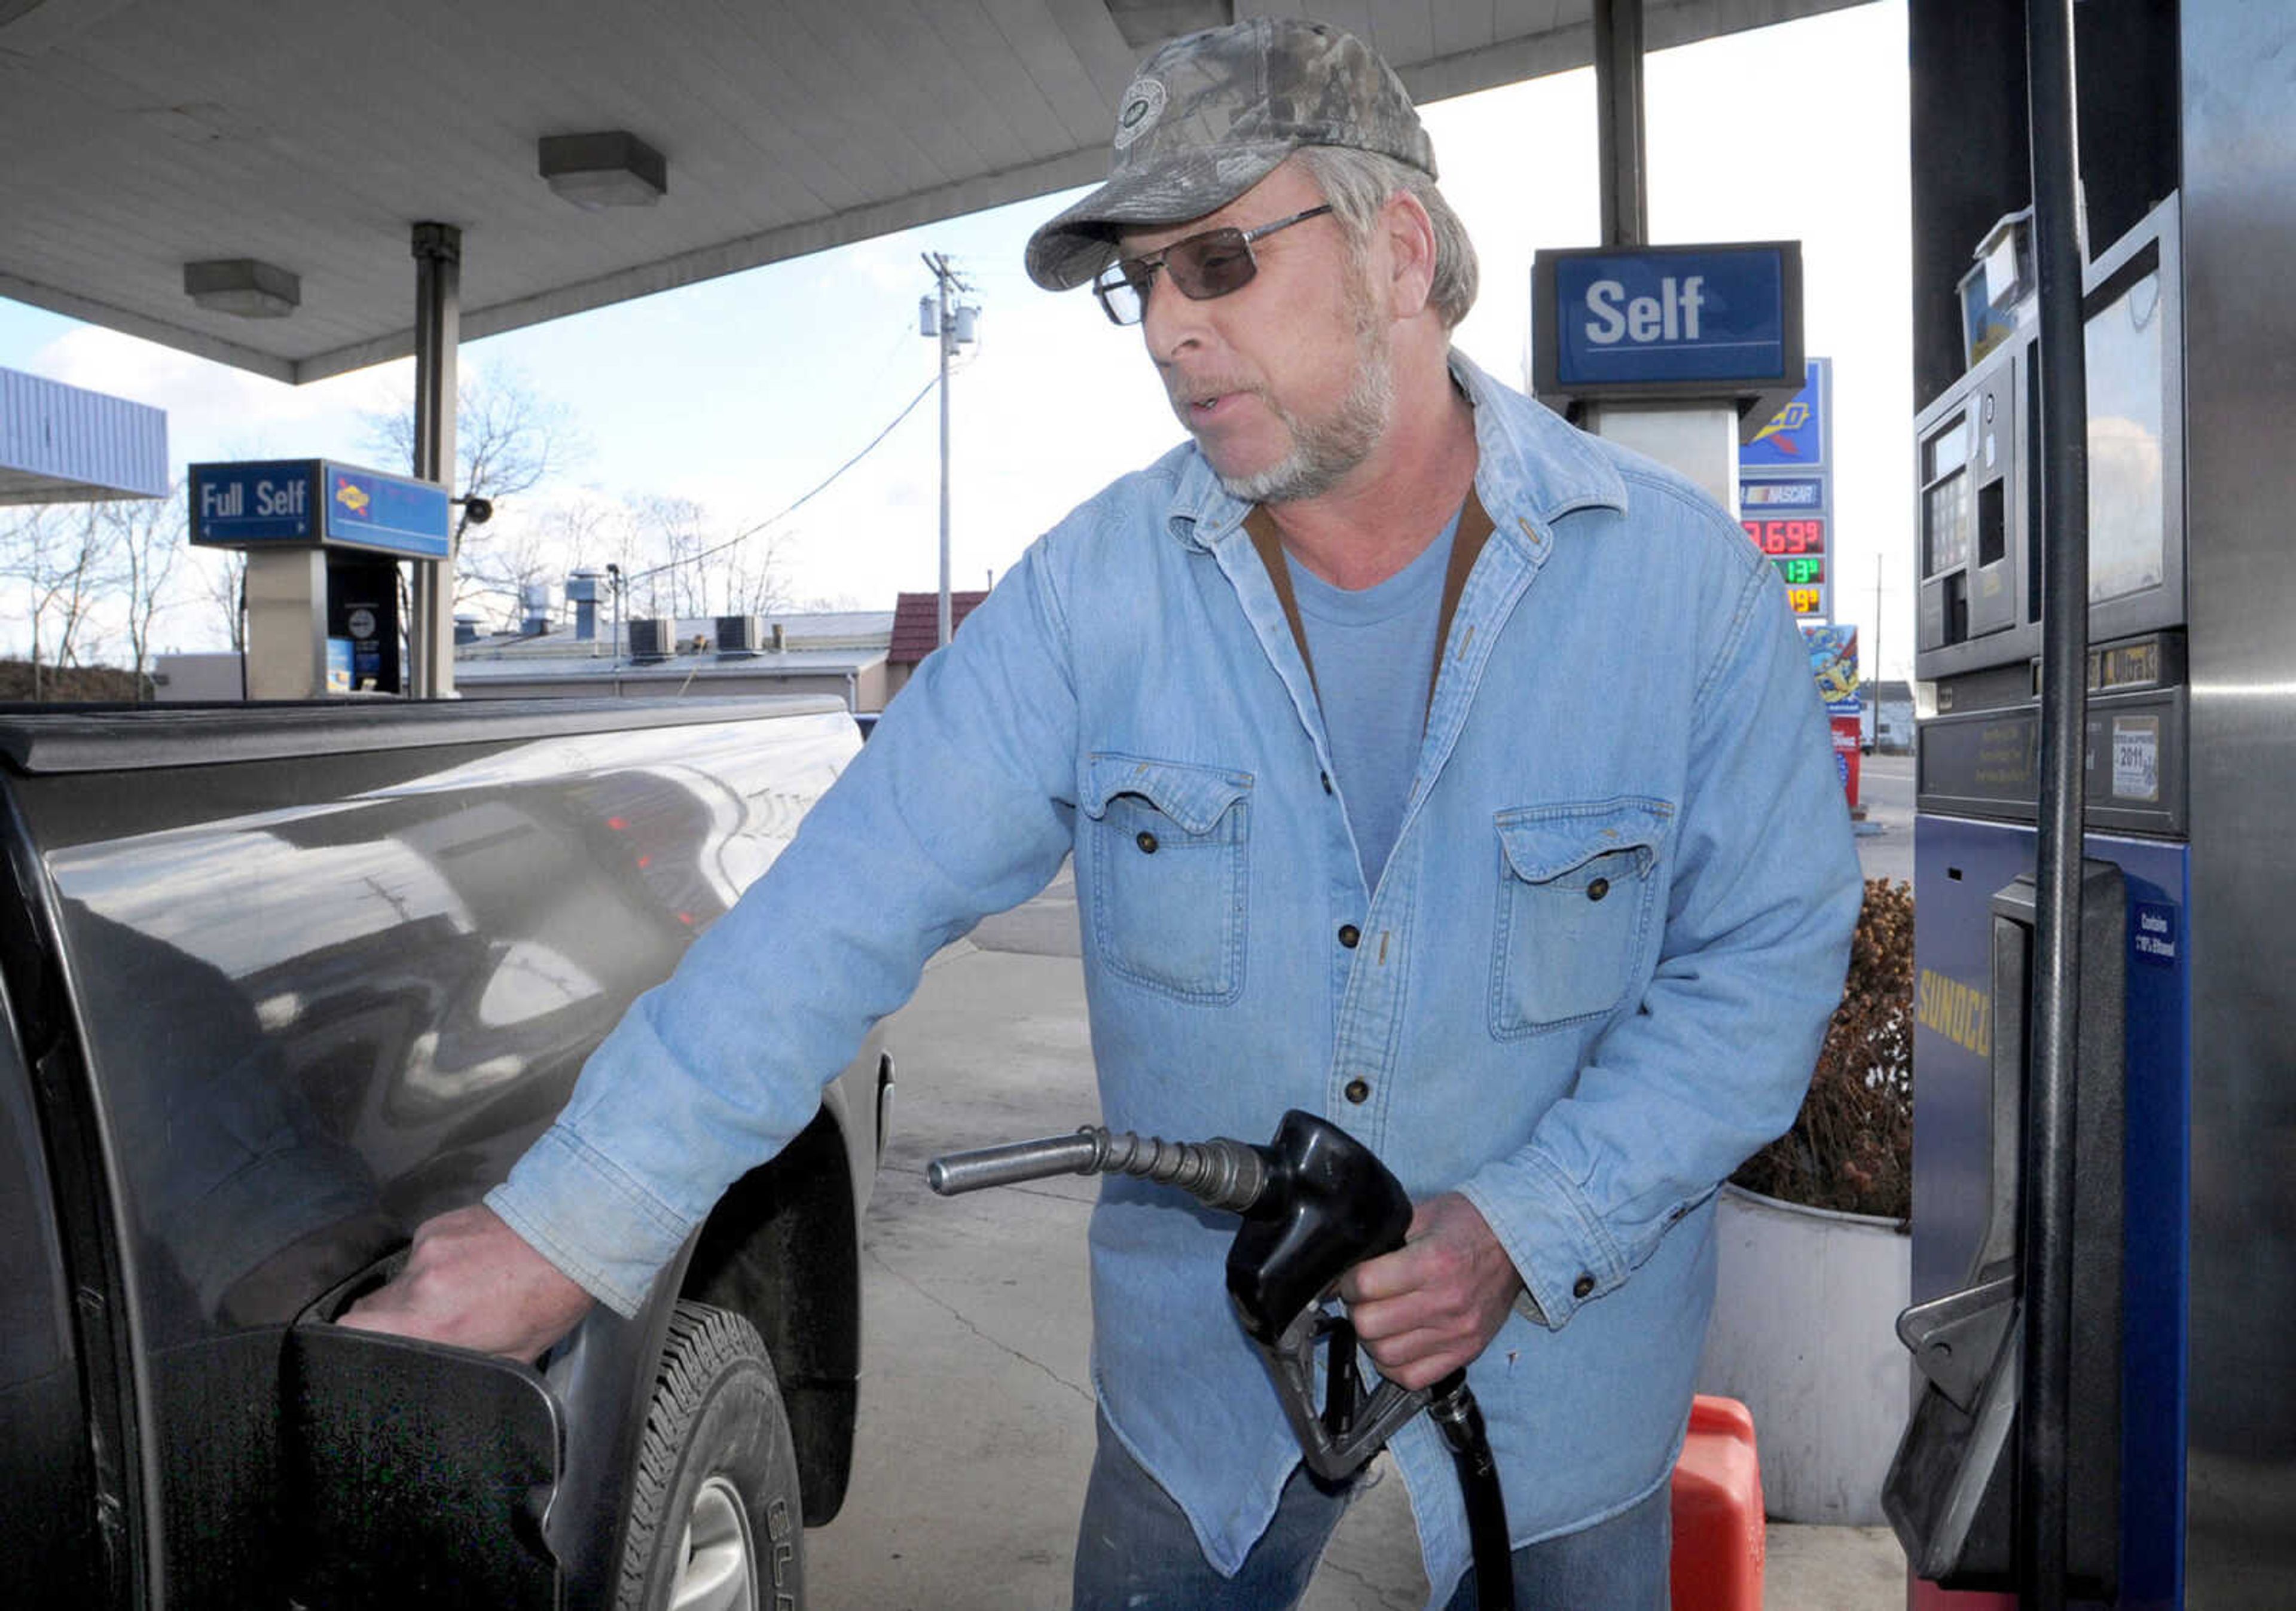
[1314, 1203]
[2105, 1224]
[324, 542]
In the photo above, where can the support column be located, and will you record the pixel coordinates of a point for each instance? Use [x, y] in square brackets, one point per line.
[438, 337]
[286, 623]
[1619, 129]
[1699, 440]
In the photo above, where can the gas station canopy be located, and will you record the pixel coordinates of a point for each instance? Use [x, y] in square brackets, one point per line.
[272, 158]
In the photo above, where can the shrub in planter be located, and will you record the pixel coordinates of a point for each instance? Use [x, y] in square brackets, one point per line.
[1852, 1146]
[1810, 1273]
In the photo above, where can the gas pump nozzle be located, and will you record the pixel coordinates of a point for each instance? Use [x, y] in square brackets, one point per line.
[1316, 1202]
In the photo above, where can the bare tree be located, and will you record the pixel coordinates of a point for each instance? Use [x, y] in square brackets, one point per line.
[223, 584]
[667, 536]
[512, 561]
[149, 538]
[508, 439]
[675, 558]
[60, 556]
[754, 580]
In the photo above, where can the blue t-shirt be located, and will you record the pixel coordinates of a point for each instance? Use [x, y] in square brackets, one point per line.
[1373, 650]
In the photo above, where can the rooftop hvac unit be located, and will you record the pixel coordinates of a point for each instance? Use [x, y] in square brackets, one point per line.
[740, 635]
[653, 637]
[582, 594]
[534, 608]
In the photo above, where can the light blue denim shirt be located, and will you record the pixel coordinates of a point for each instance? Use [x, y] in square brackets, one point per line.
[1593, 978]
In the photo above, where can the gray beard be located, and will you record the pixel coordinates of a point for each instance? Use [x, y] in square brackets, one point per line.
[1323, 451]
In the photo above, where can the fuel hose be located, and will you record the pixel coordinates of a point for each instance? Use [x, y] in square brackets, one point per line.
[1456, 1416]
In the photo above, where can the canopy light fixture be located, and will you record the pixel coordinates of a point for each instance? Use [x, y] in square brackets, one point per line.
[244, 287]
[1143, 23]
[613, 168]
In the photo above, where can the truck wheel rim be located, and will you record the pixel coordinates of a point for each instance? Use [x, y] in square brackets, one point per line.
[717, 1566]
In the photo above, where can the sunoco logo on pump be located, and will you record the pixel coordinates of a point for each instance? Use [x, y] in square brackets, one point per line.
[1960, 1012]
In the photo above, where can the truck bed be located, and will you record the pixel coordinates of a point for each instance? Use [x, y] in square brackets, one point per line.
[285, 981]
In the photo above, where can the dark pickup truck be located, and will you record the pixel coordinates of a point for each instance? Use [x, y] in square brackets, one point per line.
[279, 983]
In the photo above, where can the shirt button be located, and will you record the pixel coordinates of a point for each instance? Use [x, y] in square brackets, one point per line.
[1328, 782]
[1583, 1287]
[1359, 1092]
[1595, 891]
[1146, 841]
[1349, 934]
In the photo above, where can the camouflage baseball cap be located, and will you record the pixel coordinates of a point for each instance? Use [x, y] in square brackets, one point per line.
[1211, 115]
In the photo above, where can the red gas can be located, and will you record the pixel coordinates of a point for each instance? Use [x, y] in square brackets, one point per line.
[1719, 1535]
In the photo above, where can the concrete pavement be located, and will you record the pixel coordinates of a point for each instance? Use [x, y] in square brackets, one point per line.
[976, 1408]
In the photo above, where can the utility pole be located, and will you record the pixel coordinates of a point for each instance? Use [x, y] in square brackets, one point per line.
[1877, 614]
[950, 322]
[1876, 700]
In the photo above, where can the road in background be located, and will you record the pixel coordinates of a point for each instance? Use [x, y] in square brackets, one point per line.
[1885, 839]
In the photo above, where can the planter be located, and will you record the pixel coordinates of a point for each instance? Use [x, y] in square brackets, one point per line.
[1805, 1308]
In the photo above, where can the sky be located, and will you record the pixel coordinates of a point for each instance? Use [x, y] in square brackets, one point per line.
[743, 393]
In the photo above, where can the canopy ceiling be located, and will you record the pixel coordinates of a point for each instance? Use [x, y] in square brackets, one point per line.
[311, 134]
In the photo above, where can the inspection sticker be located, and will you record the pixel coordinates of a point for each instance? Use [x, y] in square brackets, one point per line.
[2136, 758]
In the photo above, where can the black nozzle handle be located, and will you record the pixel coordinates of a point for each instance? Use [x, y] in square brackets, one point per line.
[1219, 1172]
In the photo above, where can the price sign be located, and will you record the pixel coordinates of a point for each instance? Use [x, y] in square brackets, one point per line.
[1785, 493]
[1803, 536]
[1796, 545]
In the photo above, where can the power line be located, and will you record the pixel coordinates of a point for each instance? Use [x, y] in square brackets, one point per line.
[733, 541]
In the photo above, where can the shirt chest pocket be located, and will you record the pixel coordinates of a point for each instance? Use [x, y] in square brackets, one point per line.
[1577, 889]
[1163, 848]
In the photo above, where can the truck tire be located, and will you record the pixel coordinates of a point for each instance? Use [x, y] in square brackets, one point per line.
[715, 1513]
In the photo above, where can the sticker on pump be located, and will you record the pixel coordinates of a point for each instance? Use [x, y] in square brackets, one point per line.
[2136, 758]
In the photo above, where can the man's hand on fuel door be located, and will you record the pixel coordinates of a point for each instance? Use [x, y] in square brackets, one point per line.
[1435, 1302]
[474, 1282]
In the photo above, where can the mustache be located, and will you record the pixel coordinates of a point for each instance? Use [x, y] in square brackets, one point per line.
[1182, 391]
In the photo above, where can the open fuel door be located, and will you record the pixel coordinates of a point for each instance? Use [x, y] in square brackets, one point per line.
[416, 1474]
[1951, 1489]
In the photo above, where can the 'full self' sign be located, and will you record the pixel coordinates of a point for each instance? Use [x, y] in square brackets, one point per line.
[317, 504]
[1667, 322]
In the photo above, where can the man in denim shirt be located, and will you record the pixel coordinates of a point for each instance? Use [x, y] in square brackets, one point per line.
[1427, 764]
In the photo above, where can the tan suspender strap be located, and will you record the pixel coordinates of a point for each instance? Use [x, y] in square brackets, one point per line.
[1261, 525]
[1474, 530]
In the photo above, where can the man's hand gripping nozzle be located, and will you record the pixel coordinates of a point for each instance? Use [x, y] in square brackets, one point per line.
[1314, 1203]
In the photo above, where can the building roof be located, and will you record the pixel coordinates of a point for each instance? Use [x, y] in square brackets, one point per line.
[916, 623]
[63, 443]
[827, 643]
[801, 629]
[476, 673]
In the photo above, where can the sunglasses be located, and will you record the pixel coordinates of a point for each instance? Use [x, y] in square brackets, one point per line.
[1202, 266]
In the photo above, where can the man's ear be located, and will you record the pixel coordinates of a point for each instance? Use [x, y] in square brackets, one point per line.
[1410, 237]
